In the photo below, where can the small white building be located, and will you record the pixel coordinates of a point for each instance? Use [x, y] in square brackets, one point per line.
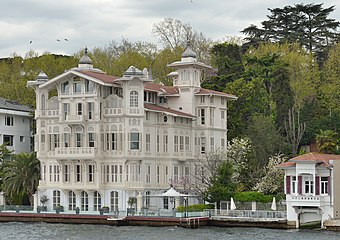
[309, 187]
[102, 139]
[15, 126]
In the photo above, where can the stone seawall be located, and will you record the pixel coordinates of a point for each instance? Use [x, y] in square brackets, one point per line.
[193, 222]
[278, 224]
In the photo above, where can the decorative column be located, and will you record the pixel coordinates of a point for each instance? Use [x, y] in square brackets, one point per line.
[139, 202]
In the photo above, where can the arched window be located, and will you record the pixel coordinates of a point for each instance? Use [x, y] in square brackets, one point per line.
[56, 198]
[114, 200]
[133, 99]
[71, 201]
[97, 203]
[84, 201]
[43, 102]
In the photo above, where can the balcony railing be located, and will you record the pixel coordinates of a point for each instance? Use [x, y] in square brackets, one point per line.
[47, 113]
[113, 111]
[75, 152]
[308, 201]
[74, 118]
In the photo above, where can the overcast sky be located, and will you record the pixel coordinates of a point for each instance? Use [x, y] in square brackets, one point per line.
[95, 23]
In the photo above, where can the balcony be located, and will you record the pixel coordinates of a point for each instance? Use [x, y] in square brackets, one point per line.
[75, 118]
[47, 113]
[75, 152]
[309, 201]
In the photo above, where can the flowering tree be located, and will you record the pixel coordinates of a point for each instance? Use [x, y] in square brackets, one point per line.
[272, 182]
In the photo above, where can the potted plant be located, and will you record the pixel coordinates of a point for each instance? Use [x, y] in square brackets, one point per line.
[59, 209]
[43, 200]
[131, 202]
[105, 209]
[77, 210]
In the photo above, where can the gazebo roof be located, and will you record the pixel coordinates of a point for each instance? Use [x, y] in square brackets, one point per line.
[172, 193]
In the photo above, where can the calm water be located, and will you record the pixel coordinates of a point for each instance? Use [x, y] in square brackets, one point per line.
[47, 231]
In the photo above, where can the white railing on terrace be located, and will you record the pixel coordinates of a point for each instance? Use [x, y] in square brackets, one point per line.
[259, 214]
[79, 152]
[113, 111]
[47, 113]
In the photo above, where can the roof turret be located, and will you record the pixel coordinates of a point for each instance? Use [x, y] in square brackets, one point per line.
[188, 52]
[85, 59]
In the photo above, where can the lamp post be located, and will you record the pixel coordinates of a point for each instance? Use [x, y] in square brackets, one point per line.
[185, 206]
[172, 201]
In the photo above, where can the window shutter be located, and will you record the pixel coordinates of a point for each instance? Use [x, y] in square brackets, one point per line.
[287, 184]
[300, 185]
[329, 185]
[317, 185]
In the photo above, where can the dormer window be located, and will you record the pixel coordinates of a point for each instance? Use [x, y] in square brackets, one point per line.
[77, 87]
[89, 86]
[65, 88]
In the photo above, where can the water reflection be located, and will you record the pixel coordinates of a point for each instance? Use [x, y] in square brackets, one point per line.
[45, 231]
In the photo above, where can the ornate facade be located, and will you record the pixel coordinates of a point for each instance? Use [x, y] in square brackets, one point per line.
[102, 139]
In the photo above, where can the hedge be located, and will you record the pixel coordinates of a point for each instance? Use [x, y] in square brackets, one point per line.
[195, 207]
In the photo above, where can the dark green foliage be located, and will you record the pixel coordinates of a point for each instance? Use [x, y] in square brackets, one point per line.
[222, 186]
[227, 59]
[195, 208]
[307, 24]
[253, 196]
[265, 139]
[21, 175]
[282, 95]
[252, 99]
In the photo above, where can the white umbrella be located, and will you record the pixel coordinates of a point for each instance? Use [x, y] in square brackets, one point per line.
[232, 204]
[273, 207]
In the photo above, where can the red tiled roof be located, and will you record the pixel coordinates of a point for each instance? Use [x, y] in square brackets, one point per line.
[168, 110]
[286, 164]
[314, 156]
[164, 90]
[319, 158]
[100, 76]
[204, 91]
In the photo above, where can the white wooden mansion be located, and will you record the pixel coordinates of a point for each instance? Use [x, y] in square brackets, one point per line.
[15, 126]
[310, 187]
[102, 139]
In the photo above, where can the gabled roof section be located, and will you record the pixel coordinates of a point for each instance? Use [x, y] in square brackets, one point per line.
[13, 105]
[204, 91]
[169, 111]
[100, 76]
[161, 89]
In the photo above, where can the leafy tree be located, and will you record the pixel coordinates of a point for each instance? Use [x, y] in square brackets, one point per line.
[327, 141]
[272, 182]
[21, 175]
[212, 174]
[252, 99]
[222, 187]
[330, 87]
[227, 58]
[265, 139]
[246, 169]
